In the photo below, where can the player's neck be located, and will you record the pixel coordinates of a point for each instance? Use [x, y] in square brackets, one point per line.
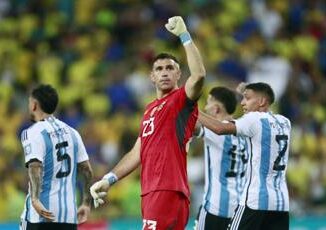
[160, 94]
[263, 109]
[41, 116]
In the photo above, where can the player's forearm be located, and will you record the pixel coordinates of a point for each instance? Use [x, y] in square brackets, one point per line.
[84, 168]
[127, 164]
[195, 83]
[35, 178]
[195, 61]
[215, 125]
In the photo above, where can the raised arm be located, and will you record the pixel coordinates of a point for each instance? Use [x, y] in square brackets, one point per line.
[215, 125]
[195, 82]
[125, 166]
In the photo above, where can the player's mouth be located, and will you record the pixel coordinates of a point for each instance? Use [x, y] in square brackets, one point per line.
[164, 82]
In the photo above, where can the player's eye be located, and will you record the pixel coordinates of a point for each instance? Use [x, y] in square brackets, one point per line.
[169, 67]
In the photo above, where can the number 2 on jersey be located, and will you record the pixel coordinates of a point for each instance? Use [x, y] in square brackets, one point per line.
[64, 158]
[282, 141]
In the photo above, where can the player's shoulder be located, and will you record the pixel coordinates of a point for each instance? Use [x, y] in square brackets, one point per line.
[73, 130]
[31, 131]
[254, 115]
[280, 116]
[67, 127]
[36, 127]
[283, 118]
[209, 134]
[178, 92]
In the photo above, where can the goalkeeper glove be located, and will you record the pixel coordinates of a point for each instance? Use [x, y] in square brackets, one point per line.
[97, 193]
[177, 26]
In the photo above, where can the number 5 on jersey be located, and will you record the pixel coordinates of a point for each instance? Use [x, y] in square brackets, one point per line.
[148, 127]
[64, 158]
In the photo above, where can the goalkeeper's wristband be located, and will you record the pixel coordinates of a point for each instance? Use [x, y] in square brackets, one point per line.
[111, 178]
[185, 38]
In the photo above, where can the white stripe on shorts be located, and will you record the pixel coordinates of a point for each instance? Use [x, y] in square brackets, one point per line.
[23, 224]
[237, 218]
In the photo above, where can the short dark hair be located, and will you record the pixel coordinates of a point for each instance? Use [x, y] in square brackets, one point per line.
[47, 97]
[226, 96]
[263, 88]
[165, 56]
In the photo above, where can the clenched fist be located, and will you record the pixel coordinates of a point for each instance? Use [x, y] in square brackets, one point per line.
[176, 25]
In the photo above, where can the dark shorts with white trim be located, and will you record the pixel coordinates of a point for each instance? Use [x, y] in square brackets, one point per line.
[25, 225]
[208, 221]
[246, 218]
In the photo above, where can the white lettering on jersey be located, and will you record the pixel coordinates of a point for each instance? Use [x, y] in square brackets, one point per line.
[148, 127]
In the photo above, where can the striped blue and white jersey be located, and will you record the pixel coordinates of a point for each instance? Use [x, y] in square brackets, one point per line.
[59, 147]
[225, 167]
[269, 136]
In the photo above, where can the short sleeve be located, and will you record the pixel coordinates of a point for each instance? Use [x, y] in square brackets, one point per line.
[33, 145]
[181, 99]
[245, 124]
[82, 154]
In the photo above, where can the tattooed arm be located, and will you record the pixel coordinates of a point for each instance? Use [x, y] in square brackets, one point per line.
[35, 170]
[84, 168]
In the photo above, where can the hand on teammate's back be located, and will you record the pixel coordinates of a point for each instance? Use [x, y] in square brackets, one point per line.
[176, 25]
[41, 210]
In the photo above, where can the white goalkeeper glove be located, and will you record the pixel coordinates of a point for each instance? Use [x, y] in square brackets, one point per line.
[177, 26]
[100, 188]
[98, 192]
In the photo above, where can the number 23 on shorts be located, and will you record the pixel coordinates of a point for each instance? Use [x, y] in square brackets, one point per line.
[149, 224]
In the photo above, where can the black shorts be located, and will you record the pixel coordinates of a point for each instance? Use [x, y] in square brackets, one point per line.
[246, 218]
[208, 221]
[25, 225]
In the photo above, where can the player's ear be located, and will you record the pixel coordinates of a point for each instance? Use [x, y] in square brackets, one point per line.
[35, 105]
[263, 101]
[179, 74]
[217, 109]
[152, 76]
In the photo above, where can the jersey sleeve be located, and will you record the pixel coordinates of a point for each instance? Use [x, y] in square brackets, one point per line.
[245, 124]
[33, 145]
[82, 154]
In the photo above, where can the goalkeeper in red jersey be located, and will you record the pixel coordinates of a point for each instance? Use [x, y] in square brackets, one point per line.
[162, 145]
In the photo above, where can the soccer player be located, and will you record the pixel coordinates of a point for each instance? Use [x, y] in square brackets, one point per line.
[225, 164]
[264, 203]
[162, 145]
[54, 153]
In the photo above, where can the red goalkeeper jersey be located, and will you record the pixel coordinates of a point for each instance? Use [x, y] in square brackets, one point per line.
[166, 127]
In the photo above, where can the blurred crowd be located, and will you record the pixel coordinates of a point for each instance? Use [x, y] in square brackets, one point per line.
[98, 54]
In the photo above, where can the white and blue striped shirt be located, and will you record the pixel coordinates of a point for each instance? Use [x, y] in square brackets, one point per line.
[269, 136]
[225, 166]
[59, 147]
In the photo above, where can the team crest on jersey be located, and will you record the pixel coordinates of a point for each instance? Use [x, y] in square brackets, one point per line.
[27, 149]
